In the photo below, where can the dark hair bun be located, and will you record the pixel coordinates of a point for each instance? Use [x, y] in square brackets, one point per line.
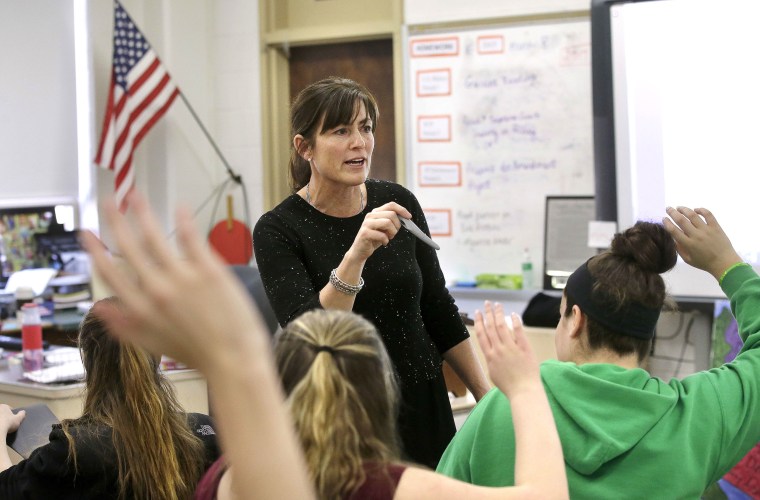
[647, 244]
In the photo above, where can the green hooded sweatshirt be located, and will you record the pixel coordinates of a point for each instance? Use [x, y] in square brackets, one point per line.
[626, 434]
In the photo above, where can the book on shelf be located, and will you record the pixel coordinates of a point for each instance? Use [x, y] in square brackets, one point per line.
[68, 295]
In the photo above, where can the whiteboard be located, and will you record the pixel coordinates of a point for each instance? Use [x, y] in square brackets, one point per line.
[499, 118]
[685, 134]
[427, 12]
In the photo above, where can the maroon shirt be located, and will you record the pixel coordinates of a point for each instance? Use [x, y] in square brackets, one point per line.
[380, 483]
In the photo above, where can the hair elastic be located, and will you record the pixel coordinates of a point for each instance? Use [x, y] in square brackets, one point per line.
[324, 348]
[632, 319]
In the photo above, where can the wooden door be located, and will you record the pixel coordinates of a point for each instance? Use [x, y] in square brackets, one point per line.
[369, 63]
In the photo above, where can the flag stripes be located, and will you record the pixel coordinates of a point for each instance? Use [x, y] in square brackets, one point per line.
[140, 93]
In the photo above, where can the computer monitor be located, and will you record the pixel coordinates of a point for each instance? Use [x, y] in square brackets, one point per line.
[566, 237]
[29, 234]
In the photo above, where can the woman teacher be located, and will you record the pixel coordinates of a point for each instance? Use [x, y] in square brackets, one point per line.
[336, 243]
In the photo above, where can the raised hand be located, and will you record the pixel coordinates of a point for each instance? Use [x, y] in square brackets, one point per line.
[700, 240]
[512, 365]
[177, 304]
[191, 307]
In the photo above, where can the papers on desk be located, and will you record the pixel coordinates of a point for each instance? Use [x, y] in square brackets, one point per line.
[60, 355]
[65, 372]
[63, 364]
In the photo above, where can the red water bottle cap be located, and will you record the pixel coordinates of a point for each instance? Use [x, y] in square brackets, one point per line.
[31, 314]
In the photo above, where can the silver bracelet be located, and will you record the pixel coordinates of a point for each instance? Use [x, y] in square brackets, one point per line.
[344, 287]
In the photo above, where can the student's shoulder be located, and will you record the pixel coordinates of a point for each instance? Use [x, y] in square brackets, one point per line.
[201, 424]
[93, 444]
[203, 427]
[494, 403]
[80, 431]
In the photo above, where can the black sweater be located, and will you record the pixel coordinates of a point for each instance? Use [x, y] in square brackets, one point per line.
[404, 295]
[48, 473]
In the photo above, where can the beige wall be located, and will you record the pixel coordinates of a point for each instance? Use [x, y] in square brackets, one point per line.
[211, 49]
[427, 12]
[287, 23]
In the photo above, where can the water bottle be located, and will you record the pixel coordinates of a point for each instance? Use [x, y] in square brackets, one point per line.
[527, 271]
[31, 337]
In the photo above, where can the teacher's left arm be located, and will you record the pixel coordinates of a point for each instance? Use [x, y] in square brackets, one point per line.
[465, 362]
[441, 315]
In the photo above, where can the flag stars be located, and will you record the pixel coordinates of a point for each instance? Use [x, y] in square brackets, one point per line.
[129, 45]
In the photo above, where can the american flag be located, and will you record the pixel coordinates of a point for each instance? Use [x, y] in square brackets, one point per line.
[141, 91]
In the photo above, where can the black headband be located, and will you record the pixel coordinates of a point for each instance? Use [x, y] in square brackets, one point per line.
[632, 319]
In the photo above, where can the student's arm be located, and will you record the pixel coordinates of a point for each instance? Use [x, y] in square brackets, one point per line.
[9, 422]
[735, 386]
[193, 309]
[539, 466]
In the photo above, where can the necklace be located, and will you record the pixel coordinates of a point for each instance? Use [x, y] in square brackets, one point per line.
[361, 198]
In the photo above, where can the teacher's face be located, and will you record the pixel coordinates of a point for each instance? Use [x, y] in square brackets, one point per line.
[343, 154]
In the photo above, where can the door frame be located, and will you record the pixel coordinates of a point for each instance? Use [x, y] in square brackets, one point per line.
[275, 85]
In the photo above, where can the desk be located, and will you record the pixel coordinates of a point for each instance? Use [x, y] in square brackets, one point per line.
[65, 400]
[470, 299]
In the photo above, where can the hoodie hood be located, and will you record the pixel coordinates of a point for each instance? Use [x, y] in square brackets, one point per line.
[606, 407]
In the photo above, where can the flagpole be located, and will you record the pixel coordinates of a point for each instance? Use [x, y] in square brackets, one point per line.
[235, 177]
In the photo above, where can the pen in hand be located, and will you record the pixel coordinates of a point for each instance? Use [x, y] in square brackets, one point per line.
[412, 228]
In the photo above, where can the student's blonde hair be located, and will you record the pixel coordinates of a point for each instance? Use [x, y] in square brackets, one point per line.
[342, 394]
[157, 454]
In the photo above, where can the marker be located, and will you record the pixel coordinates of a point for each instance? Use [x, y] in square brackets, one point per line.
[412, 228]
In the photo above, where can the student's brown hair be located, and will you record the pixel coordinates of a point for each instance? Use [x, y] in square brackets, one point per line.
[630, 272]
[342, 394]
[322, 106]
[158, 456]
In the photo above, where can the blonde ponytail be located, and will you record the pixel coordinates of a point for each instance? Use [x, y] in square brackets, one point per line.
[342, 395]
